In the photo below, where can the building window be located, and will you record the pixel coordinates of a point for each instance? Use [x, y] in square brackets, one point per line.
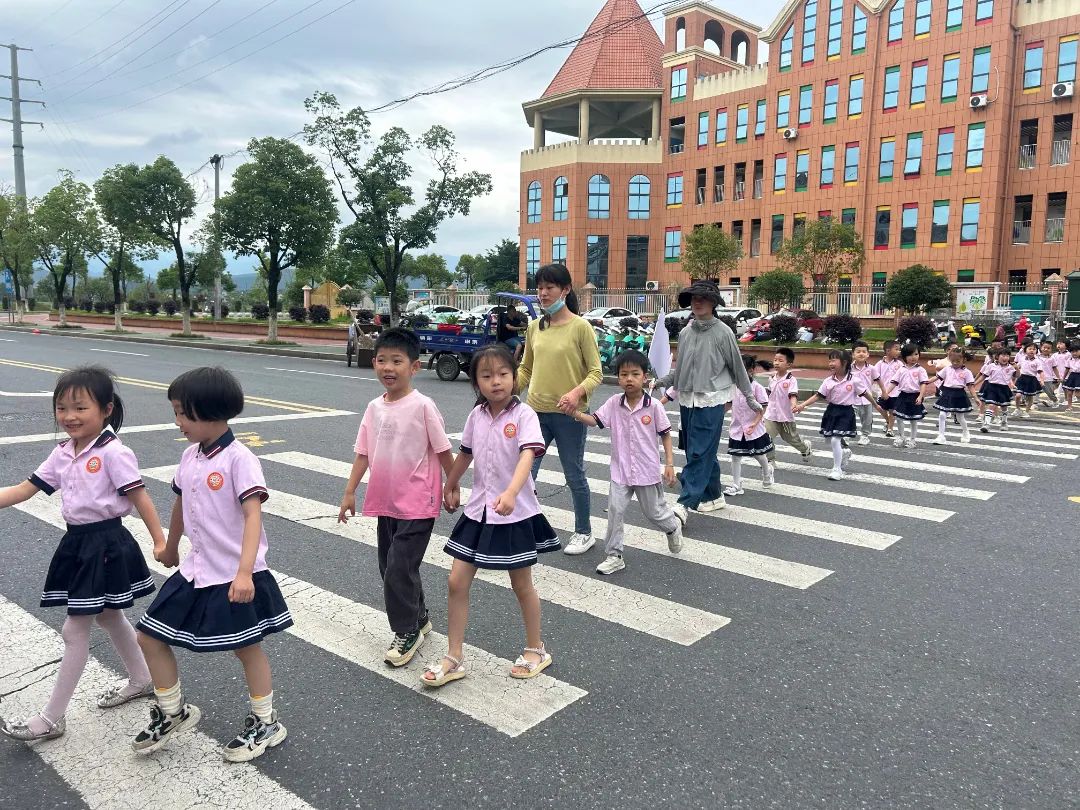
[836, 27]
[802, 169]
[558, 249]
[886, 160]
[674, 189]
[596, 261]
[976, 137]
[783, 109]
[759, 120]
[599, 197]
[809, 31]
[787, 43]
[534, 202]
[939, 224]
[640, 191]
[980, 70]
[672, 244]
[950, 77]
[798, 225]
[896, 22]
[637, 262]
[969, 222]
[909, 225]
[847, 217]
[832, 99]
[806, 104]
[892, 88]
[984, 10]
[702, 130]
[954, 15]
[945, 144]
[851, 164]
[965, 276]
[780, 174]
[532, 258]
[562, 198]
[1066, 70]
[922, 18]
[1033, 63]
[913, 154]
[828, 166]
[919, 72]
[742, 114]
[721, 126]
[882, 224]
[855, 96]
[858, 31]
[678, 83]
[776, 235]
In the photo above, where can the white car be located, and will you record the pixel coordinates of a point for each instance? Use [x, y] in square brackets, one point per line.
[744, 317]
[439, 313]
[608, 316]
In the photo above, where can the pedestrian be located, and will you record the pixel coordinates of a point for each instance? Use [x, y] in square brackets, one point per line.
[886, 368]
[957, 389]
[402, 441]
[1061, 363]
[708, 374]
[502, 527]
[636, 420]
[561, 369]
[980, 379]
[842, 390]
[747, 435]
[1071, 384]
[862, 367]
[783, 394]
[98, 568]
[908, 387]
[1030, 380]
[1022, 328]
[998, 389]
[1051, 378]
[224, 597]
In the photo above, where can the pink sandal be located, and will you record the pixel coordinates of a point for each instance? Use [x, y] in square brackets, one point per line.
[532, 668]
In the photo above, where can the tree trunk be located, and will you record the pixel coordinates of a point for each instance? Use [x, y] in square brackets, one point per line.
[20, 310]
[118, 300]
[271, 326]
[185, 321]
[273, 280]
[63, 314]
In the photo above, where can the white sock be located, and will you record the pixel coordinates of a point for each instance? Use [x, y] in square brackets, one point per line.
[736, 472]
[170, 700]
[764, 462]
[263, 707]
[914, 429]
[941, 417]
[962, 417]
[837, 452]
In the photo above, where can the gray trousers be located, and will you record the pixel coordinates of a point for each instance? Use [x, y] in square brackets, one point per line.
[653, 504]
[865, 412]
[402, 544]
[1050, 389]
[789, 432]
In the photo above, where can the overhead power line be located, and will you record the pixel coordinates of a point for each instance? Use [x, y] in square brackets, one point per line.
[88, 25]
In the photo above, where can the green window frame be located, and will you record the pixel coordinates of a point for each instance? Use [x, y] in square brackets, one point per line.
[939, 224]
[806, 104]
[984, 10]
[922, 18]
[776, 234]
[678, 83]
[920, 72]
[980, 70]
[1066, 59]
[802, 170]
[847, 217]
[954, 15]
[783, 109]
[896, 22]
[742, 118]
[787, 46]
[946, 144]
[909, 225]
[828, 166]
[672, 244]
[836, 28]
[891, 91]
[976, 143]
[913, 154]
[856, 85]
[760, 113]
[886, 160]
[779, 174]
[858, 31]
[851, 163]
[950, 77]
[969, 221]
[832, 101]
[721, 126]
[703, 129]
[809, 35]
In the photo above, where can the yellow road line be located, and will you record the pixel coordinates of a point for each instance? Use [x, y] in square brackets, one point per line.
[158, 386]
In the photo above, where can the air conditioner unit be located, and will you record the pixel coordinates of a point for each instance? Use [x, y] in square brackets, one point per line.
[791, 134]
[979, 101]
[652, 285]
[1062, 90]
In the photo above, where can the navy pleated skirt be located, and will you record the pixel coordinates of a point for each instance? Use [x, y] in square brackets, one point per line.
[1072, 382]
[996, 394]
[838, 420]
[1029, 386]
[750, 447]
[907, 408]
[953, 400]
[501, 546]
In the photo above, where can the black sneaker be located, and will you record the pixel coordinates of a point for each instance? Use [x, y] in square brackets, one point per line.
[403, 648]
[163, 726]
[256, 737]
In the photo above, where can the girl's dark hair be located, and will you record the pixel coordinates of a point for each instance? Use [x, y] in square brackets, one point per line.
[957, 350]
[207, 394]
[908, 350]
[493, 353]
[750, 362]
[558, 275]
[844, 356]
[97, 382]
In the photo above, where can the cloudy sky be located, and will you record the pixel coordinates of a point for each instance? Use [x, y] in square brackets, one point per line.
[127, 80]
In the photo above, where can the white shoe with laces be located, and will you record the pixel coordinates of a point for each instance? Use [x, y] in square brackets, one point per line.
[898, 442]
[674, 540]
[579, 543]
[910, 444]
[712, 506]
[965, 437]
[732, 490]
[611, 564]
[940, 439]
[835, 474]
[768, 476]
[680, 513]
[845, 457]
[863, 441]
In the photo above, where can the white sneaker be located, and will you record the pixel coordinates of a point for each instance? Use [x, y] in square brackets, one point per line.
[808, 456]
[910, 444]
[845, 457]
[731, 490]
[579, 544]
[1004, 424]
[1025, 413]
[965, 438]
[898, 442]
[611, 564]
[863, 441]
[674, 541]
[680, 512]
[835, 474]
[713, 505]
[940, 439]
[768, 477]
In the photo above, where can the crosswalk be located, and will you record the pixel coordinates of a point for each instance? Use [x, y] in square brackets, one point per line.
[767, 538]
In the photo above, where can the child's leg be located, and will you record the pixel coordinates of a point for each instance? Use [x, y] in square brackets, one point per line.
[460, 583]
[962, 417]
[941, 419]
[656, 508]
[837, 452]
[736, 472]
[160, 661]
[126, 643]
[76, 634]
[619, 497]
[259, 681]
[522, 583]
[866, 419]
[764, 462]
[789, 432]
[402, 544]
[913, 426]
[773, 429]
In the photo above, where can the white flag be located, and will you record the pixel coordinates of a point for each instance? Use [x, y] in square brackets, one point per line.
[660, 349]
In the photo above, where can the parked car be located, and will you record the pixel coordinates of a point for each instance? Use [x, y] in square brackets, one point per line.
[478, 314]
[439, 313]
[744, 317]
[608, 316]
[811, 320]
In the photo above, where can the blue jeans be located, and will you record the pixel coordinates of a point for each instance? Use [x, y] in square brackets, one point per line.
[569, 435]
[700, 477]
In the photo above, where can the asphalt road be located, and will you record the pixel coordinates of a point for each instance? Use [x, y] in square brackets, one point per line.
[903, 638]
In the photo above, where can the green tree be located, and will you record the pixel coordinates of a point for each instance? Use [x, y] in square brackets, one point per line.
[350, 297]
[469, 269]
[168, 279]
[16, 249]
[710, 253]
[778, 288]
[823, 250]
[65, 229]
[122, 235]
[431, 267]
[281, 209]
[500, 264]
[917, 289]
[373, 178]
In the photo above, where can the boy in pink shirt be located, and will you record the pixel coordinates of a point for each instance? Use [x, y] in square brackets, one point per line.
[779, 420]
[402, 440]
[886, 369]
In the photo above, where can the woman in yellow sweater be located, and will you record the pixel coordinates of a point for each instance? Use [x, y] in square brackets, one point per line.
[561, 368]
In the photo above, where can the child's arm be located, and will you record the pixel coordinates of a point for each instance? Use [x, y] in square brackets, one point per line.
[348, 502]
[23, 491]
[170, 554]
[140, 499]
[669, 460]
[452, 490]
[504, 504]
[585, 418]
[800, 407]
[869, 397]
[446, 461]
[243, 589]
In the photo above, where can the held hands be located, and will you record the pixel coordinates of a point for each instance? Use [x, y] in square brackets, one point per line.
[798, 408]
[169, 557]
[242, 589]
[504, 504]
[451, 497]
[669, 475]
[568, 403]
[348, 505]
[918, 399]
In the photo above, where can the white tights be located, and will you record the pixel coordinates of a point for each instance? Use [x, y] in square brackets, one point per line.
[837, 451]
[736, 468]
[909, 426]
[942, 418]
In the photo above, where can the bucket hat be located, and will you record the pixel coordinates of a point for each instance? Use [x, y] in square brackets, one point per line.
[704, 289]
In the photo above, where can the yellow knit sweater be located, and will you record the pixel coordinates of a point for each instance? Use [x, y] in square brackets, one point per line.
[557, 359]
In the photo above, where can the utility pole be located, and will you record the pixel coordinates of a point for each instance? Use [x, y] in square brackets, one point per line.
[216, 162]
[16, 121]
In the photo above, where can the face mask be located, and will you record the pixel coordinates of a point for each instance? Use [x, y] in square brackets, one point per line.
[559, 304]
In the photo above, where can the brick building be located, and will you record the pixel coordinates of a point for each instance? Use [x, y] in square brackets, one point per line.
[942, 129]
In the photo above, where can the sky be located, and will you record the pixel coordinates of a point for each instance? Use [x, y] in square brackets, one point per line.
[113, 76]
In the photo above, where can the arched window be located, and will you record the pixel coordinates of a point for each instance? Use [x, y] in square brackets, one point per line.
[714, 38]
[534, 208]
[599, 197]
[680, 34]
[740, 47]
[639, 197]
[562, 198]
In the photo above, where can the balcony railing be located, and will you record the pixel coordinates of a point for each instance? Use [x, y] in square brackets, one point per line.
[1055, 229]
[701, 195]
[676, 148]
[718, 193]
[1021, 231]
[759, 185]
[740, 190]
[1060, 152]
[1027, 156]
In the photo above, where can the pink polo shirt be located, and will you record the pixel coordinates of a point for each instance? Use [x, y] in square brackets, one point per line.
[909, 379]
[1074, 364]
[848, 390]
[955, 377]
[1061, 362]
[635, 457]
[742, 415]
[93, 484]
[886, 369]
[496, 446]
[868, 372]
[988, 361]
[213, 482]
[1000, 375]
[402, 441]
[1046, 363]
[1030, 367]
[780, 393]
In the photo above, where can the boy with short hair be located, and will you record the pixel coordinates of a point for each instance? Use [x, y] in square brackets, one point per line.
[402, 440]
[861, 367]
[1051, 378]
[886, 369]
[783, 394]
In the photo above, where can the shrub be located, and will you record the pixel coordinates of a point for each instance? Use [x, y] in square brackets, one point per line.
[629, 323]
[99, 307]
[31, 303]
[110, 307]
[137, 306]
[69, 302]
[224, 311]
[297, 313]
[86, 305]
[366, 316]
[917, 329]
[842, 328]
[153, 307]
[319, 313]
[170, 307]
[675, 324]
[784, 329]
[260, 311]
[730, 323]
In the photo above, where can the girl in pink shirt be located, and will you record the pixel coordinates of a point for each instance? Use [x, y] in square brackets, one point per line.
[907, 386]
[98, 568]
[997, 391]
[1030, 382]
[957, 388]
[747, 435]
[502, 527]
[1071, 383]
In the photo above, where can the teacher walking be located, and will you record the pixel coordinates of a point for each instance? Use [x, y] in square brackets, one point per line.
[561, 368]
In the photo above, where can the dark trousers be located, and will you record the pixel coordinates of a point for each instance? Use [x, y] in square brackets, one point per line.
[700, 477]
[402, 544]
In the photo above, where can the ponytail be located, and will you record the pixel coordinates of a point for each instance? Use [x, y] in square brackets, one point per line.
[572, 301]
[116, 418]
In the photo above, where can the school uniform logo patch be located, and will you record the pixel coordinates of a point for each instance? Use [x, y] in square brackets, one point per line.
[510, 431]
[646, 420]
[215, 481]
[850, 386]
[93, 464]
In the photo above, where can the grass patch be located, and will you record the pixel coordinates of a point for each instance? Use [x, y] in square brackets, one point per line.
[68, 326]
[119, 332]
[879, 335]
[193, 336]
[266, 342]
